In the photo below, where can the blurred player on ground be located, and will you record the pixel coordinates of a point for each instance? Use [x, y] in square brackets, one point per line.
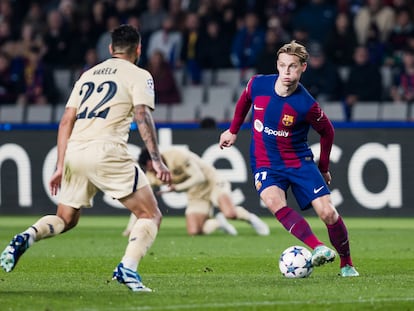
[204, 188]
[93, 155]
[283, 111]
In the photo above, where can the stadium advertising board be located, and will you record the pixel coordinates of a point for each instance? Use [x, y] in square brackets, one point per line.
[371, 171]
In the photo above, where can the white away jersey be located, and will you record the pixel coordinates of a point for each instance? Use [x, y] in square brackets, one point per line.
[105, 96]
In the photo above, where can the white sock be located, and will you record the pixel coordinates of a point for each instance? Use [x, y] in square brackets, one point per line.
[210, 226]
[131, 223]
[242, 213]
[45, 227]
[141, 238]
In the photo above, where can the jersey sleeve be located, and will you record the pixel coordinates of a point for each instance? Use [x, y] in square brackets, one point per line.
[323, 126]
[143, 90]
[195, 174]
[73, 101]
[242, 108]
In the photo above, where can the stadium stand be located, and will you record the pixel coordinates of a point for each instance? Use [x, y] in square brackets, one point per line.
[58, 112]
[393, 111]
[366, 111]
[63, 79]
[162, 113]
[39, 114]
[11, 114]
[334, 110]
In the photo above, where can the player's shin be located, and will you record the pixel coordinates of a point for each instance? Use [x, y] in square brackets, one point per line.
[338, 235]
[210, 226]
[297, 226]
[242, 213]
[45, 227]
[131, 223]
[140, 240]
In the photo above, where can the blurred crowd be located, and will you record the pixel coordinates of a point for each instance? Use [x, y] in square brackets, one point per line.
[355, 37]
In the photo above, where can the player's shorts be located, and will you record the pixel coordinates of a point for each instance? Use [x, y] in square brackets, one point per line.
[104, 166]
[203, 198]
[306, 182]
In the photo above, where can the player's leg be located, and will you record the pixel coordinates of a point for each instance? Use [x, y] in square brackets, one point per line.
[337, 231]
[195, 223]
[275, 199]
[231, 211]
[199, 216]
[220, 196]
[47, 226]
[131, 223]
[143, 205]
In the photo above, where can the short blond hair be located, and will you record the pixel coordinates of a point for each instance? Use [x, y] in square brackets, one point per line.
[294, 48]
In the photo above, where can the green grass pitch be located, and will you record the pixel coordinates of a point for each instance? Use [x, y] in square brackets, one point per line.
[216, 272]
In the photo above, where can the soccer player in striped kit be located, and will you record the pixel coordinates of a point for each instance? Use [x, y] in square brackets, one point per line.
[283, 112]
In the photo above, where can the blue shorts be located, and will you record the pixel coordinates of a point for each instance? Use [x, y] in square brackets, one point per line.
[307, 182]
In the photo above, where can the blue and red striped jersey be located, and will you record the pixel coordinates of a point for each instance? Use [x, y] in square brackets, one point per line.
[280, 125]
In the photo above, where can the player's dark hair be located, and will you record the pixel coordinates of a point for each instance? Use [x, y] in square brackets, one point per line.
[143, 158]
[125, 39]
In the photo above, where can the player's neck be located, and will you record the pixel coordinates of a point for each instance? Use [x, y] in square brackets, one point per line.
[283, 90]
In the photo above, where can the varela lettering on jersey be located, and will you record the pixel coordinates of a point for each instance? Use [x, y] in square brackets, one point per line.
[105, 71]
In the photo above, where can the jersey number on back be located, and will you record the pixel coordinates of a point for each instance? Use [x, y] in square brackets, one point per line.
[87, 90]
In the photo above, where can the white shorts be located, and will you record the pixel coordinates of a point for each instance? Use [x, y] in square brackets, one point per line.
[202, 199]
[104, 166]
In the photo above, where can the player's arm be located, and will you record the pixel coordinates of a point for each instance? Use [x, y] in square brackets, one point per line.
[65, 130]
[228, 137]
[147, 131]
[321, 123]
[196, 176]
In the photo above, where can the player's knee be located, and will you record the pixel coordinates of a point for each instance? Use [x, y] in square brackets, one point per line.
[194, 231]
[329, 216]
[230, 214]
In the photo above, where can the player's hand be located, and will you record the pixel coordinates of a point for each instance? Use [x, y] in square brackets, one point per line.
[327, 176]
[162, 172]
[227, 139]
[166, 189]
[55, 181]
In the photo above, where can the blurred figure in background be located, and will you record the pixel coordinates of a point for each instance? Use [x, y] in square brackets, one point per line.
[266, 60]
[105, 38]
[205, 190]
[38, 83]
[165, 85]
[90, 60]
[364, 82]
[57, 41]
[399, 36]
[168, 41]
[214, 51]
[189, 56]
[317, 17]
[374, 12]
[248, 42]
[321, 77]
[9, 85]
[402, 89]
[341, 41]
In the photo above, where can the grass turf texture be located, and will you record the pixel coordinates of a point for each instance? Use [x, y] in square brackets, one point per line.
[216, 272]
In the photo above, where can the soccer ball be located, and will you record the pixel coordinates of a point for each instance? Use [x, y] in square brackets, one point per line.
[296, 262]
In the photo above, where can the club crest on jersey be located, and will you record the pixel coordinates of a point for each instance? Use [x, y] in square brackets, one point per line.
[258, 185]
[150, 86]
[287, 120]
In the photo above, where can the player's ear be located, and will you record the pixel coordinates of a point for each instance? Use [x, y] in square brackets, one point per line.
[304, 66]
[110, 49]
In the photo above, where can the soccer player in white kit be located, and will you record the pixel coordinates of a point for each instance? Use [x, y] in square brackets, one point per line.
[205, 190]
[93, 155]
